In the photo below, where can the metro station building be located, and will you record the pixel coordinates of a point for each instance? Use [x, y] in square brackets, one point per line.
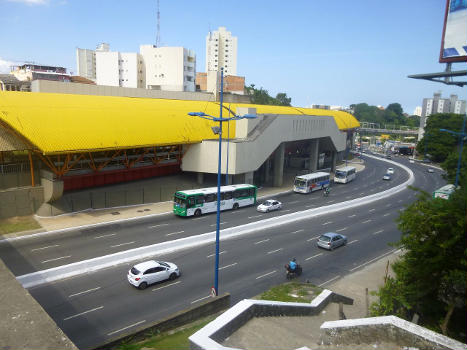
[90, 137]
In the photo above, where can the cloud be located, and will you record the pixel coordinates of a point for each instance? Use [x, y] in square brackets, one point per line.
[32, 2]
[5, 66]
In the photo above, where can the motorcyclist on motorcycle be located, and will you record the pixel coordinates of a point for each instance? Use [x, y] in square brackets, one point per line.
[292, 265]
[327, 190]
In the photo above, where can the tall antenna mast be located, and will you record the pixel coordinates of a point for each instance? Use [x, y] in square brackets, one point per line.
[158, 34]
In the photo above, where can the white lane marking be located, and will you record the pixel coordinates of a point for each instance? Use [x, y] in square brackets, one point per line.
[220, 223]
[298, 231]
[122, 329]
[171, 284]
[375, 233]
[83, 292]
[312, 238]
[227, 266]
[387, 214]
[361, 193]
[266, 274]
[222, 252]
[158, 225]
[371, 210]
[195, 301]
[314, 256]
[254, 217]
[370, 261]
[174, 233]
[201, 218]
[332, 279]
[119, 245]
[400, 201]
[327, 223]
[286, 210]
[275, 251]
[330, 201]
[309, 206]
[366, 221]
[293, 202]
[355, 240]
[351, 216]
[49, 246]
[83, 313]
[264, 240]
[348, 197]
[342, 229]
[108, 235]
[62, 257]
[388, 205]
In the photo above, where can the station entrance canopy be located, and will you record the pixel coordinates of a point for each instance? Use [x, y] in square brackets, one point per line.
[51, 124]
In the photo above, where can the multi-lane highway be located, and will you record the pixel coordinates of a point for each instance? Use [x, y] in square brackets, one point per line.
[94, 307]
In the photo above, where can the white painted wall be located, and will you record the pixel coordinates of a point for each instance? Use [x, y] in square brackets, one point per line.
[169, 68]
[119, 69]
[86, 63]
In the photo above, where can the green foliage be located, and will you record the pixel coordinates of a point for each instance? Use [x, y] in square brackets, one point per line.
[450, 166]
[434, 245]
[439, 144]
[393, 114]
[285, 292]
[262, 97]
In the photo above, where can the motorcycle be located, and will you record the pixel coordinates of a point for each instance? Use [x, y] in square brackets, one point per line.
[292, 274]
[326, 192]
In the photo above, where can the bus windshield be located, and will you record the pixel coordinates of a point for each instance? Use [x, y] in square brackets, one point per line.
[181, 202]
[340, 174]
[300, 182]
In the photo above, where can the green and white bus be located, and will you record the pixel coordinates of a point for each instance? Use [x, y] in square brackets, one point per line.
[204, 200]
[444, 192]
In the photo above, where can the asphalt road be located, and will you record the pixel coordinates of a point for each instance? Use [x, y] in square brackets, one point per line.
[94, 307]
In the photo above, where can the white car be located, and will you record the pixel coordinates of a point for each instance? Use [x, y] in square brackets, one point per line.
[390, 171]
[387, 177]
[431, 170]
[149, 272]
[411, 161]
[269, 205]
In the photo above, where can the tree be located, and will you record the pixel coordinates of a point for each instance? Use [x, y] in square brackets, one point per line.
[452, 292]
[262, 97]
[450, 166]
[396, 108]
[434, 245]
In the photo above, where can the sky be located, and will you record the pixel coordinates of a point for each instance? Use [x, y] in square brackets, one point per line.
[332, 52]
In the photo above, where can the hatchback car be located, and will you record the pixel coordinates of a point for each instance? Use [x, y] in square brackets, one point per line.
[387, 177]
[331, 240]
[149, 272]
[390, 171]
[430, 170]
[269, 205]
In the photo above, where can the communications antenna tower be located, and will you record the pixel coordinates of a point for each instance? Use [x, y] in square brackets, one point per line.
[158, 34]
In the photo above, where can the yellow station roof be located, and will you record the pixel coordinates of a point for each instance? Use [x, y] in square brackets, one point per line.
[63, 123]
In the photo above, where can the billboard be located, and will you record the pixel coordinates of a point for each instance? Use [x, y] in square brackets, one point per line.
[454, 39]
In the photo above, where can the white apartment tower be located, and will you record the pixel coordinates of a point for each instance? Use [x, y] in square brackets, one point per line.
[119, 69]
[221, 51]
[169, 68]
[86, 61]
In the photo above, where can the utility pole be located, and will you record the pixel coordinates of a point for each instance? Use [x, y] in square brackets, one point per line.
[158, 34]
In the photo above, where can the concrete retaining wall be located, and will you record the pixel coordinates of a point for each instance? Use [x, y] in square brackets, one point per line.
[385, 329]
[20, 201]
[17, 179]
[207, 308]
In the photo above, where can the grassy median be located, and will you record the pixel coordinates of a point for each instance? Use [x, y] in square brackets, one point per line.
[18, 224]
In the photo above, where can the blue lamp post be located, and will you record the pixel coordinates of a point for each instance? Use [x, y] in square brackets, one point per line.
[461, 135]
[218, 130]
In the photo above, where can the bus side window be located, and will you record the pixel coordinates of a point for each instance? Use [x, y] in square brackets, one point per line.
[210, 198]
[199, 199]
[191, 202]
[227, 195]
[252, 192]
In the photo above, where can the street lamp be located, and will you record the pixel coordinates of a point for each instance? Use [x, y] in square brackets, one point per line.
[461, 135]
[218, 131]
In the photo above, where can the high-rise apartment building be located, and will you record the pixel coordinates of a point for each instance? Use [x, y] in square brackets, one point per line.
[418, 111]
[221, 51]
[169, 68]
[439, 105]
[119, 69]
[86, 61]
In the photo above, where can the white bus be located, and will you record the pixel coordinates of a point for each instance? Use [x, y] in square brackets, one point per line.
[444, 192]
[311, 182]
[204, 200]
[345, 174]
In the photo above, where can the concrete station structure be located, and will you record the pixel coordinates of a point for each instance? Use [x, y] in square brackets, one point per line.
[82, 141]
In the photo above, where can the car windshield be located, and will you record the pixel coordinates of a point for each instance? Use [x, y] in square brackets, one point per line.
[340, 174]
[181, 202]
[267, 203]
[135, 271]
[325, 238]
[300, 183]
[163, 264]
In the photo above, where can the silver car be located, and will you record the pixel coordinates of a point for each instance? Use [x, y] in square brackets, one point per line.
[331, 240]
[149, 272]
[269, 205]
